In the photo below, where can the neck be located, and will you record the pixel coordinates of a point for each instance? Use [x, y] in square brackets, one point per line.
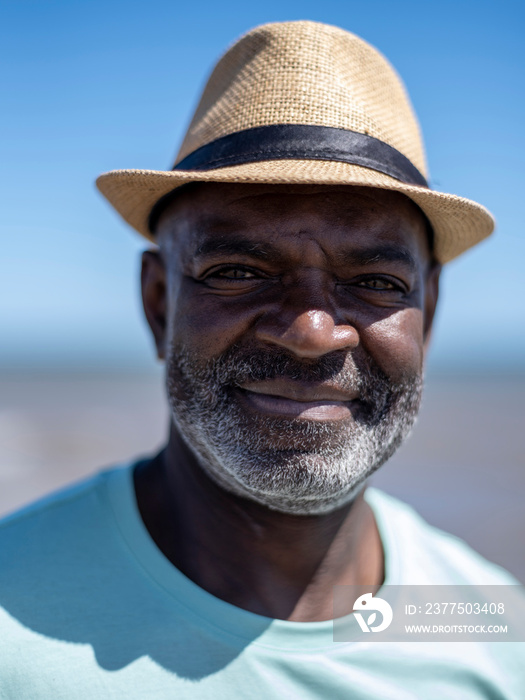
[274, 564]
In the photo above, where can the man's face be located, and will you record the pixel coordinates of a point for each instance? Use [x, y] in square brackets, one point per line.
[293, 322]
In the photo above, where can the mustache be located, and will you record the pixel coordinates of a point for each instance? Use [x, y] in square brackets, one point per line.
[240, 364]
[272, 363]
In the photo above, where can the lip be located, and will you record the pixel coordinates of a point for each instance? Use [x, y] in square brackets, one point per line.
[293, 400]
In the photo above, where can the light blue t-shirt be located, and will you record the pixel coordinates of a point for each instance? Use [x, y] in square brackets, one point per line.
[90, 608]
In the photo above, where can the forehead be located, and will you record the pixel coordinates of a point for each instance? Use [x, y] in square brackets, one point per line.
[282, 214]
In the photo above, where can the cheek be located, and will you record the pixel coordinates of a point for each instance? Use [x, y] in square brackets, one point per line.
[396, 343]
[205, 325]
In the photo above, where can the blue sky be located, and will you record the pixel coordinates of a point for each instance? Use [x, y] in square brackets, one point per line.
[95, 86]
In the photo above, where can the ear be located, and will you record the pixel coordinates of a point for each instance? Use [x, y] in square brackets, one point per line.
[154, 297]
[431, 298]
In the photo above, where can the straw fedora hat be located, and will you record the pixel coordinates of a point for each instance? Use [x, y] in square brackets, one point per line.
[303, 103]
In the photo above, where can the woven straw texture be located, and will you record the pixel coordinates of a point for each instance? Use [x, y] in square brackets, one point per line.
[304, 73]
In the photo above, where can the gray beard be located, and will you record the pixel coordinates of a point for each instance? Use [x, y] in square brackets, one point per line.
[295, 466]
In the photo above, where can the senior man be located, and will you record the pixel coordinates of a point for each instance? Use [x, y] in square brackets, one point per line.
[291, 295]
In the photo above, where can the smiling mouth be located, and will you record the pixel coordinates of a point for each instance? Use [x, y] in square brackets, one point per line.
[306, 405]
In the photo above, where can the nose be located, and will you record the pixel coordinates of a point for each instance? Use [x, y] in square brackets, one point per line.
[307, 330]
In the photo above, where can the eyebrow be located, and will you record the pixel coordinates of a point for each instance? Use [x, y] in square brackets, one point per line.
[359, 257]
[237, 246]
[378, 254]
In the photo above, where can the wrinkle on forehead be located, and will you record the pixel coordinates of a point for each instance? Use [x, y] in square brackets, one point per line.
[218, 207]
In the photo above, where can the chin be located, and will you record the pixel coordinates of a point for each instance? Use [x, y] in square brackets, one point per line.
[293, 482]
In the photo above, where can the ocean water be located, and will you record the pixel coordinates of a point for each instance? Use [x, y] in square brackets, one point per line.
[463, 468]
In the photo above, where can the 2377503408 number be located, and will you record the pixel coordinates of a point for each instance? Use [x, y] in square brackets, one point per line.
[464, 609]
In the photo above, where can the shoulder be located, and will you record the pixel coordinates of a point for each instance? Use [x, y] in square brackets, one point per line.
[57, 547]
[425, 554]
[54, 528]
[54, 506]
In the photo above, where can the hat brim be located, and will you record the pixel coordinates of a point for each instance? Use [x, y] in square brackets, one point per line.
[458, 223]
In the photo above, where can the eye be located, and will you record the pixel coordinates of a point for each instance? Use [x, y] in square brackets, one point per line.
[233, 278]
[380, 284]
[233, 273]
